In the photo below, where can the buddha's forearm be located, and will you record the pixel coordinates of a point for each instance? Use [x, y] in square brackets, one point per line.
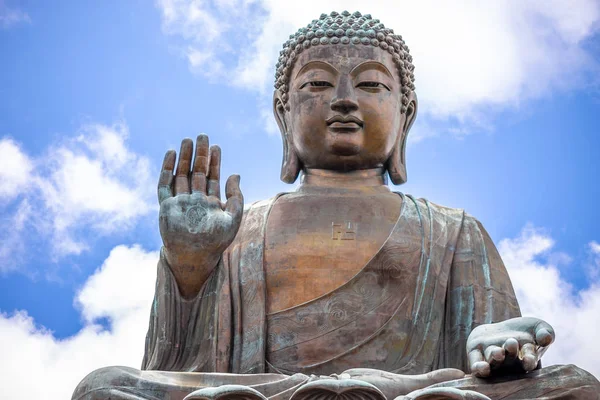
[191, 271]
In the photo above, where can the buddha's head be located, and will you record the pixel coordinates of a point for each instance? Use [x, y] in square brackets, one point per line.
[344, 97]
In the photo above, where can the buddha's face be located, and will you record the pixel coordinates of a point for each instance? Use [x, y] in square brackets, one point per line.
[344, 105]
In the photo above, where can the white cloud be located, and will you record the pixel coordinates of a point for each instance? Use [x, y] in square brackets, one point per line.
[542, 293]
[15, 170]
[16, 180]
[191, 19]
[594, 267]
[120, 290]
[205, 62]
[12, 245]
[11, 16]
[470, 56]
[92, 181]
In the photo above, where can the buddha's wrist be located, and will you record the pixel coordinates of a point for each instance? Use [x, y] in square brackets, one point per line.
[190, 271]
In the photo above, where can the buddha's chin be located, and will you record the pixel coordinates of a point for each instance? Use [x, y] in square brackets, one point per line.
[345, 145]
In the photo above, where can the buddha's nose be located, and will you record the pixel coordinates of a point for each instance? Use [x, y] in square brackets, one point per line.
[344, 100]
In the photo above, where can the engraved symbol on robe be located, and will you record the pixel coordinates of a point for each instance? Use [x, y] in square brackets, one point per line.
[345, 231]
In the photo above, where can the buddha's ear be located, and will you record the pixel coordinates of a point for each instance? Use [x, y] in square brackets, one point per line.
[396, 164]
[290, 165]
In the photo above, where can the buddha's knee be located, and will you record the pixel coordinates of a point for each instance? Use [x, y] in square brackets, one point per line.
[557, 381]
[105, 383]
[573, 375]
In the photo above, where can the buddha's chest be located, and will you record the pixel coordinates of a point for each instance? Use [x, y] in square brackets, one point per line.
[316, 243]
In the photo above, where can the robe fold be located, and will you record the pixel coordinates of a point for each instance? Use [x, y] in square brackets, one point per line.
[409, 310]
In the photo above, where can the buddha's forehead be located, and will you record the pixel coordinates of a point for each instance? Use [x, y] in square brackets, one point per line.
[344, 57]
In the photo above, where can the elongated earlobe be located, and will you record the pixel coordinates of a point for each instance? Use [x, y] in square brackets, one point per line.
[396, 164]
[290, 165]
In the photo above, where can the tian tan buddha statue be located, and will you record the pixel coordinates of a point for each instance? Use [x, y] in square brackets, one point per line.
[341, 289]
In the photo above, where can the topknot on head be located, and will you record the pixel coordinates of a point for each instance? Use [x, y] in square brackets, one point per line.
[350, 29]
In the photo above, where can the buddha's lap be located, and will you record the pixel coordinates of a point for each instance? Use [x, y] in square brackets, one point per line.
[123, 383]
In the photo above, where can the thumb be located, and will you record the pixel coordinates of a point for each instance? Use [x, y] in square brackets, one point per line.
[444, 375]
[544, 334]
[235, 199]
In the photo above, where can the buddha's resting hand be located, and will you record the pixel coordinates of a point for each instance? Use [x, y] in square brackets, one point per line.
[443, 393]
[512, 346]
[196, 227]
[394, 385]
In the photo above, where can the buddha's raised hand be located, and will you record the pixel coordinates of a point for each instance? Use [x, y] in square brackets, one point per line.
[196, 227]
[511, 346]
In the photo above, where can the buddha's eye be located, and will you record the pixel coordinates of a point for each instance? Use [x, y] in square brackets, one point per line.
[317, 84]
[372, 85]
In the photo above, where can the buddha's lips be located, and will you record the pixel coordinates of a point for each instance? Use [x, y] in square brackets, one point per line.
[344, 122]
[342, 127]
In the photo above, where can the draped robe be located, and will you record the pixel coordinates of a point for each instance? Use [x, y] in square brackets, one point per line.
[409, 310]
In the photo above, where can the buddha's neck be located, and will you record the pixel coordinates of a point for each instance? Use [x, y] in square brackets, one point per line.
[320, 179]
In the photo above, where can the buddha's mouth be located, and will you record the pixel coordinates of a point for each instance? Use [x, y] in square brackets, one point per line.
[344, 123]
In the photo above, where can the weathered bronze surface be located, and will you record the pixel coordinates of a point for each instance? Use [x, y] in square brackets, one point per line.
[341, 289]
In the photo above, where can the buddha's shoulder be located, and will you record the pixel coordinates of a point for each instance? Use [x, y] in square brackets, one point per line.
[260, 207]
[428, 208]
[422, 214]
[259, 204]
[419, 209]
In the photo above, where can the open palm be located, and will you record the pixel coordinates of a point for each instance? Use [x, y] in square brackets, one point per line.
[195, 226]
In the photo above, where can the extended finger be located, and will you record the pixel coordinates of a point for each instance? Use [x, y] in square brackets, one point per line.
[494, 355]
[479, 367]
[214, 171]
[200, 166]
[182, 182]
[544, 334]
[235, 200]
[166, 176]
[511, 346]
[529, 357]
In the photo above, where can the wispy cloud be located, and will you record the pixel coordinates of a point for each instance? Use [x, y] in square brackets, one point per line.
[90, 181]
[12, 243]
[15, 170]
[12, 16]
[594, 267]
[471, 57]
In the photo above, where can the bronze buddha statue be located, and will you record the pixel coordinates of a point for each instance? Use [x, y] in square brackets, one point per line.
[342, 288]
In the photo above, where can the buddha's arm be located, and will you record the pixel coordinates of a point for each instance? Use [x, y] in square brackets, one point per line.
[182, 332]
[479, 292]
[485, 333]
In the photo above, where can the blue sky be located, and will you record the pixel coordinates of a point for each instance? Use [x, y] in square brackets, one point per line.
[93, 93]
